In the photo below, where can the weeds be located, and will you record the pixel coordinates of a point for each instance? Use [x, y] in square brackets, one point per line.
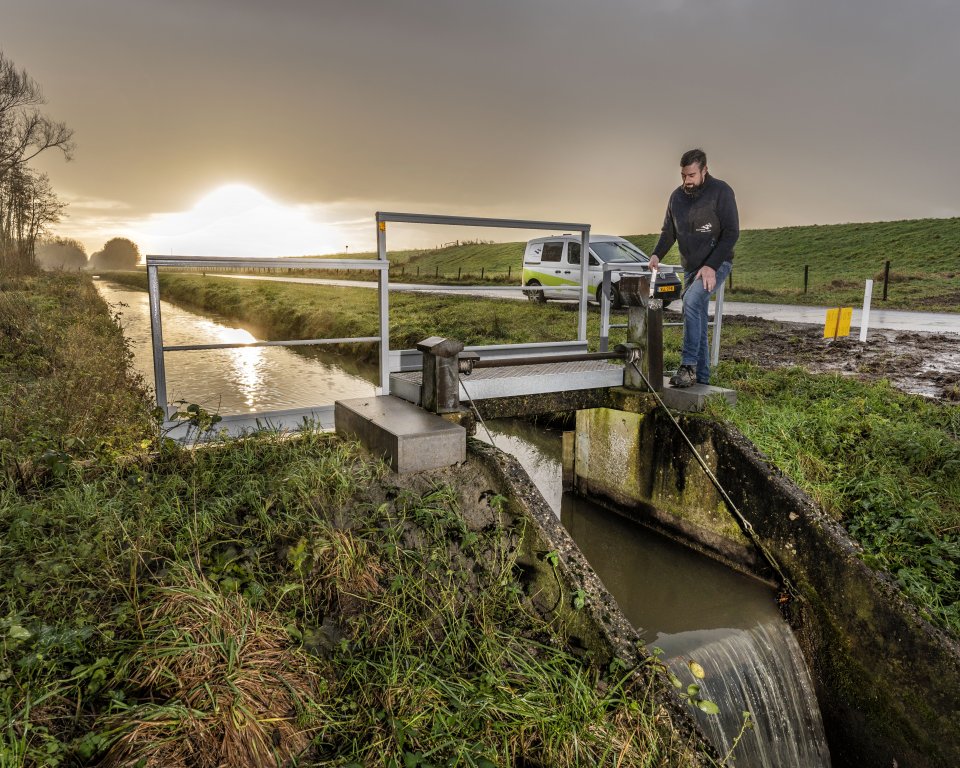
[885, 464]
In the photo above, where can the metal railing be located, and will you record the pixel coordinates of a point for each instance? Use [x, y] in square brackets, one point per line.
[470, 221]
[643, 269]
[156, 325]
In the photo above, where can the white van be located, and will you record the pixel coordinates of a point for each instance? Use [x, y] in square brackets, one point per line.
[554, 261]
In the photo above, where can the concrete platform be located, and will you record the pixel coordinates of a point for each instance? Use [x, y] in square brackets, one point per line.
[518, 380]
[693, 398]
[409, 438]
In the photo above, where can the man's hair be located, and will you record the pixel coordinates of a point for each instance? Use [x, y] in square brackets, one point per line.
[692, 156]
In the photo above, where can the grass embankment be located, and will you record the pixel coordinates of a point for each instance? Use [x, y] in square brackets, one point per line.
[59, 346]
[883, 463]
[270, 600]
[924, 257]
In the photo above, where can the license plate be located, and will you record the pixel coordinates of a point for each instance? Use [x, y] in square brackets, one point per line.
[666, 289]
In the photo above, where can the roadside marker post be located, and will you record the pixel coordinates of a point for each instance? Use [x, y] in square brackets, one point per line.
[865, 316]
[838, 323]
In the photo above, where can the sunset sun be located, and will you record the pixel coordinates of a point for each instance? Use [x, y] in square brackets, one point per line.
[237, 219]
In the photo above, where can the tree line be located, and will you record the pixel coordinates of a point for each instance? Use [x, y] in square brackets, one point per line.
[28, 203]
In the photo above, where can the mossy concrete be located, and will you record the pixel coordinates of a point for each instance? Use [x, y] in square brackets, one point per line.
[618, 458]
[886, 679]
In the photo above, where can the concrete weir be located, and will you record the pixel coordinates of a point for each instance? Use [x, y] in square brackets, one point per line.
[887, 680]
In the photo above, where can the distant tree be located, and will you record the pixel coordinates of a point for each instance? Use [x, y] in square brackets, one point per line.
[27, 202]
[118, 253]
[61, 253]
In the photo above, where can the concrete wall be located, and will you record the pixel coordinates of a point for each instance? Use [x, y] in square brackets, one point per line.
[888, 682]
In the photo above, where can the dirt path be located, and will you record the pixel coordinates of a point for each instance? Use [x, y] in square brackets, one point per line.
[916, 362]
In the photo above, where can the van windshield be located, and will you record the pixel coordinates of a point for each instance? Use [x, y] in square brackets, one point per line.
[616, 251]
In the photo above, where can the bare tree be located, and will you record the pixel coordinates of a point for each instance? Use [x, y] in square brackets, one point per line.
[24, 131]
[28, 204]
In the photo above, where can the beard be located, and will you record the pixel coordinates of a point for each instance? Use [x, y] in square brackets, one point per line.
[693, 189]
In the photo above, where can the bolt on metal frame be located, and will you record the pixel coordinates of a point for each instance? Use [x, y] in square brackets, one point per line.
[156, 326]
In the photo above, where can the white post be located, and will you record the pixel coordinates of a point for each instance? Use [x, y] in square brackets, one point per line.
[865, 315]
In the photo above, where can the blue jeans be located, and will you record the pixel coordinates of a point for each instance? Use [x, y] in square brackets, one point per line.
[696, 303]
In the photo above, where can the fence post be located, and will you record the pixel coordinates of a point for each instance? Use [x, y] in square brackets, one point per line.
[437, 271]
[481, 272]
[730, 279]
[458, 272]
[806, 275]
[509, 270]
[886, 278]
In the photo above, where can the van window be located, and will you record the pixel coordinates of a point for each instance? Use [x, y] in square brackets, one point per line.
[552, 251]
[593, 261]
[573, 253]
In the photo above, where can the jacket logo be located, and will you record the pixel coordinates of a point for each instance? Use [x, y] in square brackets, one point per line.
[708, 227]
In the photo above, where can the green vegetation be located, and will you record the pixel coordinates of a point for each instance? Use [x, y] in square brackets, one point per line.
[65, 389]
[885, 464]
[266, 600]
[924, 257]
[924, 260]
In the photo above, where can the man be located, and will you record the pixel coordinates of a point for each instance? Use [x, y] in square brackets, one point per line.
[702, 219]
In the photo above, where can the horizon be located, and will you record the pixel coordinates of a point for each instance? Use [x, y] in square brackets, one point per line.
[326, 113]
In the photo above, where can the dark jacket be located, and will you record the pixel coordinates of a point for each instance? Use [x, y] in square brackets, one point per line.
[704, 224]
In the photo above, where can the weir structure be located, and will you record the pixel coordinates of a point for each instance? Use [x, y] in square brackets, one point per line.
[549, 376]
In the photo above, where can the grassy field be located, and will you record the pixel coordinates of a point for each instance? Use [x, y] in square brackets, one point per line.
[924, 257]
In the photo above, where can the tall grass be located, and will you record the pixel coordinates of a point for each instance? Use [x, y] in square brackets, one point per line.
[279, 584]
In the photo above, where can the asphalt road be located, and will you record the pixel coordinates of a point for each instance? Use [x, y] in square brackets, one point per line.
[887, 319]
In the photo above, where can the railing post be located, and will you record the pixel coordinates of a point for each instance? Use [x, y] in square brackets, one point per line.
[383, 293]
[156, 335]
[717, 326]
[584, 283]
[604, 310]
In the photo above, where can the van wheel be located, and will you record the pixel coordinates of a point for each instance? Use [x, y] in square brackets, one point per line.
[615, 302]
[537, 297]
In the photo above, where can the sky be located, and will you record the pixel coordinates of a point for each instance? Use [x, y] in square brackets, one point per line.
[242, 127]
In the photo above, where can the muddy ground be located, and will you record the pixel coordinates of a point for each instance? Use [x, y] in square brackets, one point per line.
[916, 362]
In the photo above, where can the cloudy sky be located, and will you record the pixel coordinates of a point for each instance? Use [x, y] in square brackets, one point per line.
[242, 126]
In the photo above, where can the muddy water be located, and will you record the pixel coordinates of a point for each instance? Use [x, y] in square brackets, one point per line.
[694, 609]
[233, 381]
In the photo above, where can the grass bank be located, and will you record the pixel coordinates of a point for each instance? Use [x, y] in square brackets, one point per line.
[884, 464]
[924, 257]
[273, 601]
[66, 390]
